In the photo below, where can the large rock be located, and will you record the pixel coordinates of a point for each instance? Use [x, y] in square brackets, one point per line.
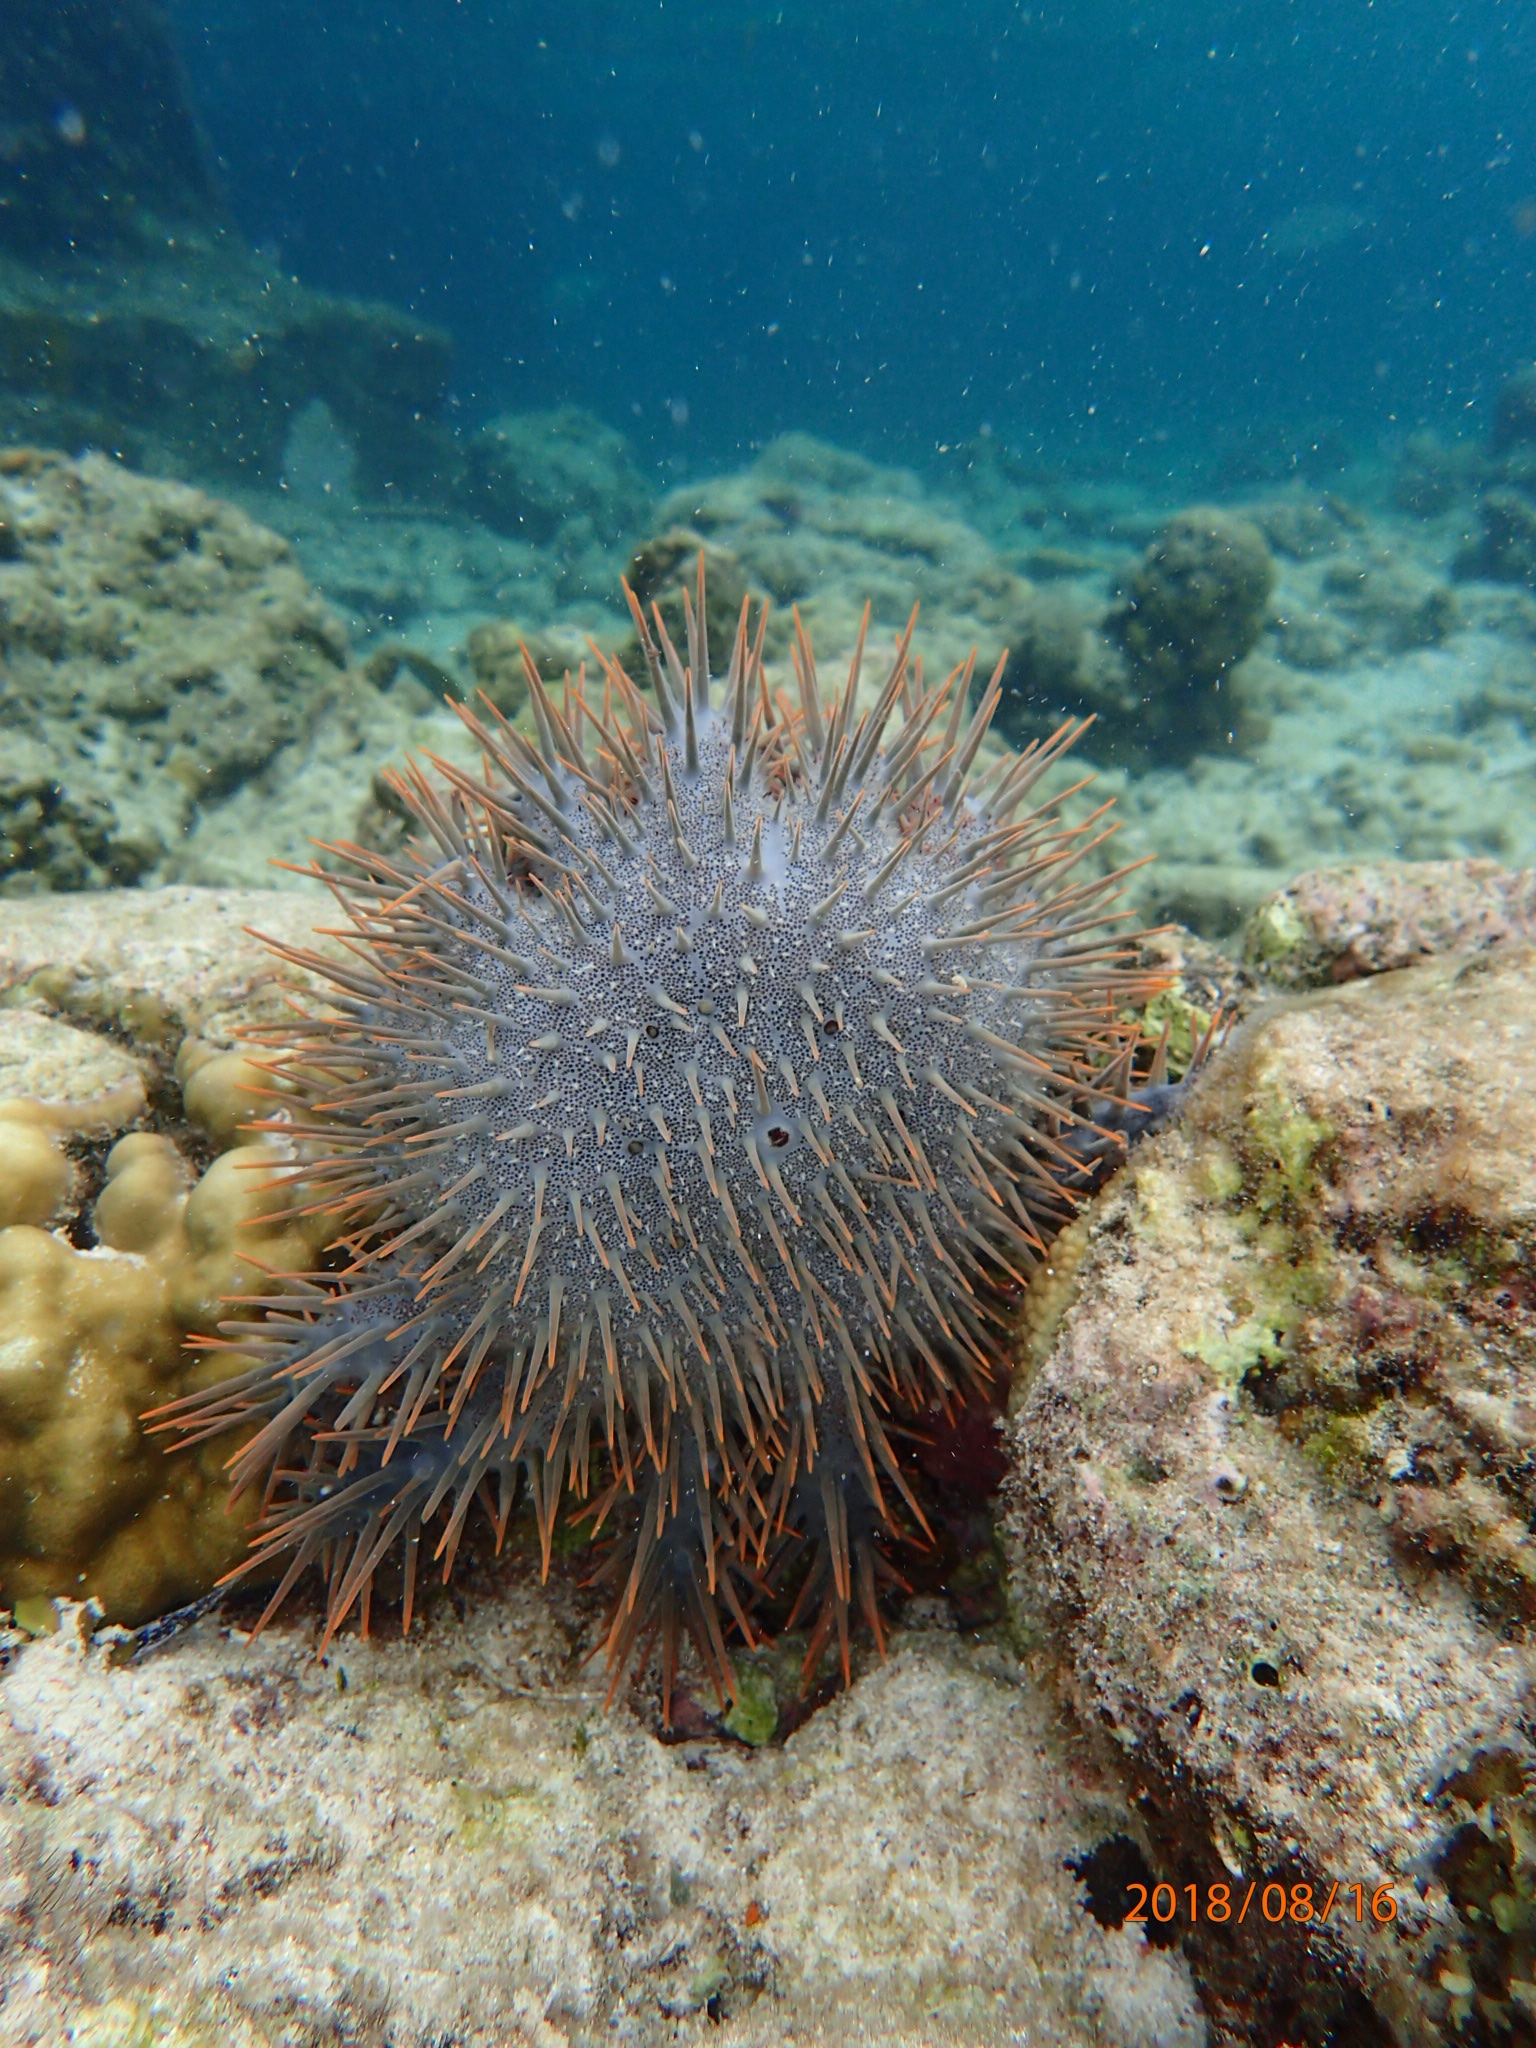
[452, 1838]
[1337, 924]
[195, 356]
[1273, 1499]
[178, 703]
[98, 135]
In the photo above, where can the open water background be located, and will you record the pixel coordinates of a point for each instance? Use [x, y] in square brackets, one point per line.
[1281, 228]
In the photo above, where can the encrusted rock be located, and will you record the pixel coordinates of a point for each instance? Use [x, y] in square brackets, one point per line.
[1336, 924]
[1192, 608]
[1272, 1492]
[451, 1838]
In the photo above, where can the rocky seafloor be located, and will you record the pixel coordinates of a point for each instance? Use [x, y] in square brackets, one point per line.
[1253, 1608]
[1263, 1561]
[201, 684]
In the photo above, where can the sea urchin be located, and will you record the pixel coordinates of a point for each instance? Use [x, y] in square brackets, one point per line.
[697, 1098]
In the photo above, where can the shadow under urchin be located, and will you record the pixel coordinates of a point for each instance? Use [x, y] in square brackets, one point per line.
[695, 1103]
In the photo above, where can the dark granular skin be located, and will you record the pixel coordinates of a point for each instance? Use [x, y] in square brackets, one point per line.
[707, 1080]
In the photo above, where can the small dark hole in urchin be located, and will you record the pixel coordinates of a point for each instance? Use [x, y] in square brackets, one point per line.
[1107, 1874]
[1262, 1672]
[635, 1147]
[653, 1031]
[778, 1137]
[831, 1027]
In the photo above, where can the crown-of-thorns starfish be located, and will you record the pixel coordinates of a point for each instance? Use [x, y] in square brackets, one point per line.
[694, 1103]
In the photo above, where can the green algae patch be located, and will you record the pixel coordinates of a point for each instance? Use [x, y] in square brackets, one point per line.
[128, 2023]
[36, 1615]
[1219, 1174]
[709, 1981]
[1281, 1144]
[754, 1714]
[1161, 1204]
[1275, 932]
[1231, 1355]
[1186, 1023]
[485, 1814]
[1339, 1448]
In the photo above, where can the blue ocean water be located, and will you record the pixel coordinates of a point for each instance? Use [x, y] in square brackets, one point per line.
[1121, 228]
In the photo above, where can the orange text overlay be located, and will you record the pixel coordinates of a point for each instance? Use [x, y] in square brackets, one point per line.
[1273, 1902]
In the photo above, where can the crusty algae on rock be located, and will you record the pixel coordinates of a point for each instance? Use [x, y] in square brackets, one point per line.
[93, 1334]
[1275, 1501]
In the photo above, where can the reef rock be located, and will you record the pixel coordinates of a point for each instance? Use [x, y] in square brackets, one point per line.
[177, 702]
[451, 1838]
[1337, 924]
[561, 477]
[1193, 607]
[1272, 1500]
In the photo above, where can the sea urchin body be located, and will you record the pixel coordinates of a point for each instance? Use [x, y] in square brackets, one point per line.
[694, 1104]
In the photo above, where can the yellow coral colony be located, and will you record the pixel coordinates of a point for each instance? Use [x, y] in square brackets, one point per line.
[91, 1338]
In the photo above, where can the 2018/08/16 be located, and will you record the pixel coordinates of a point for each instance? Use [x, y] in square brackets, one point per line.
[1295, 1902]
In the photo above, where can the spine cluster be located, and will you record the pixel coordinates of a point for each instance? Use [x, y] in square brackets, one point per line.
[702, 1087]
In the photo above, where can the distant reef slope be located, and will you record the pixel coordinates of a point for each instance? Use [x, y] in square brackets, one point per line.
[133, 317]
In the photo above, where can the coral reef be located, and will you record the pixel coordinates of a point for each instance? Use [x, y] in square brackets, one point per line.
[1382, 713]
[564, 479]
[1272, 1494]
[763, 1196]
[1191, 609]
[819, 527]
[177, 701]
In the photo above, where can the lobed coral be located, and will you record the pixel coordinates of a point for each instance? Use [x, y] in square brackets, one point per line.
[95, 1331]
[697, 1099]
